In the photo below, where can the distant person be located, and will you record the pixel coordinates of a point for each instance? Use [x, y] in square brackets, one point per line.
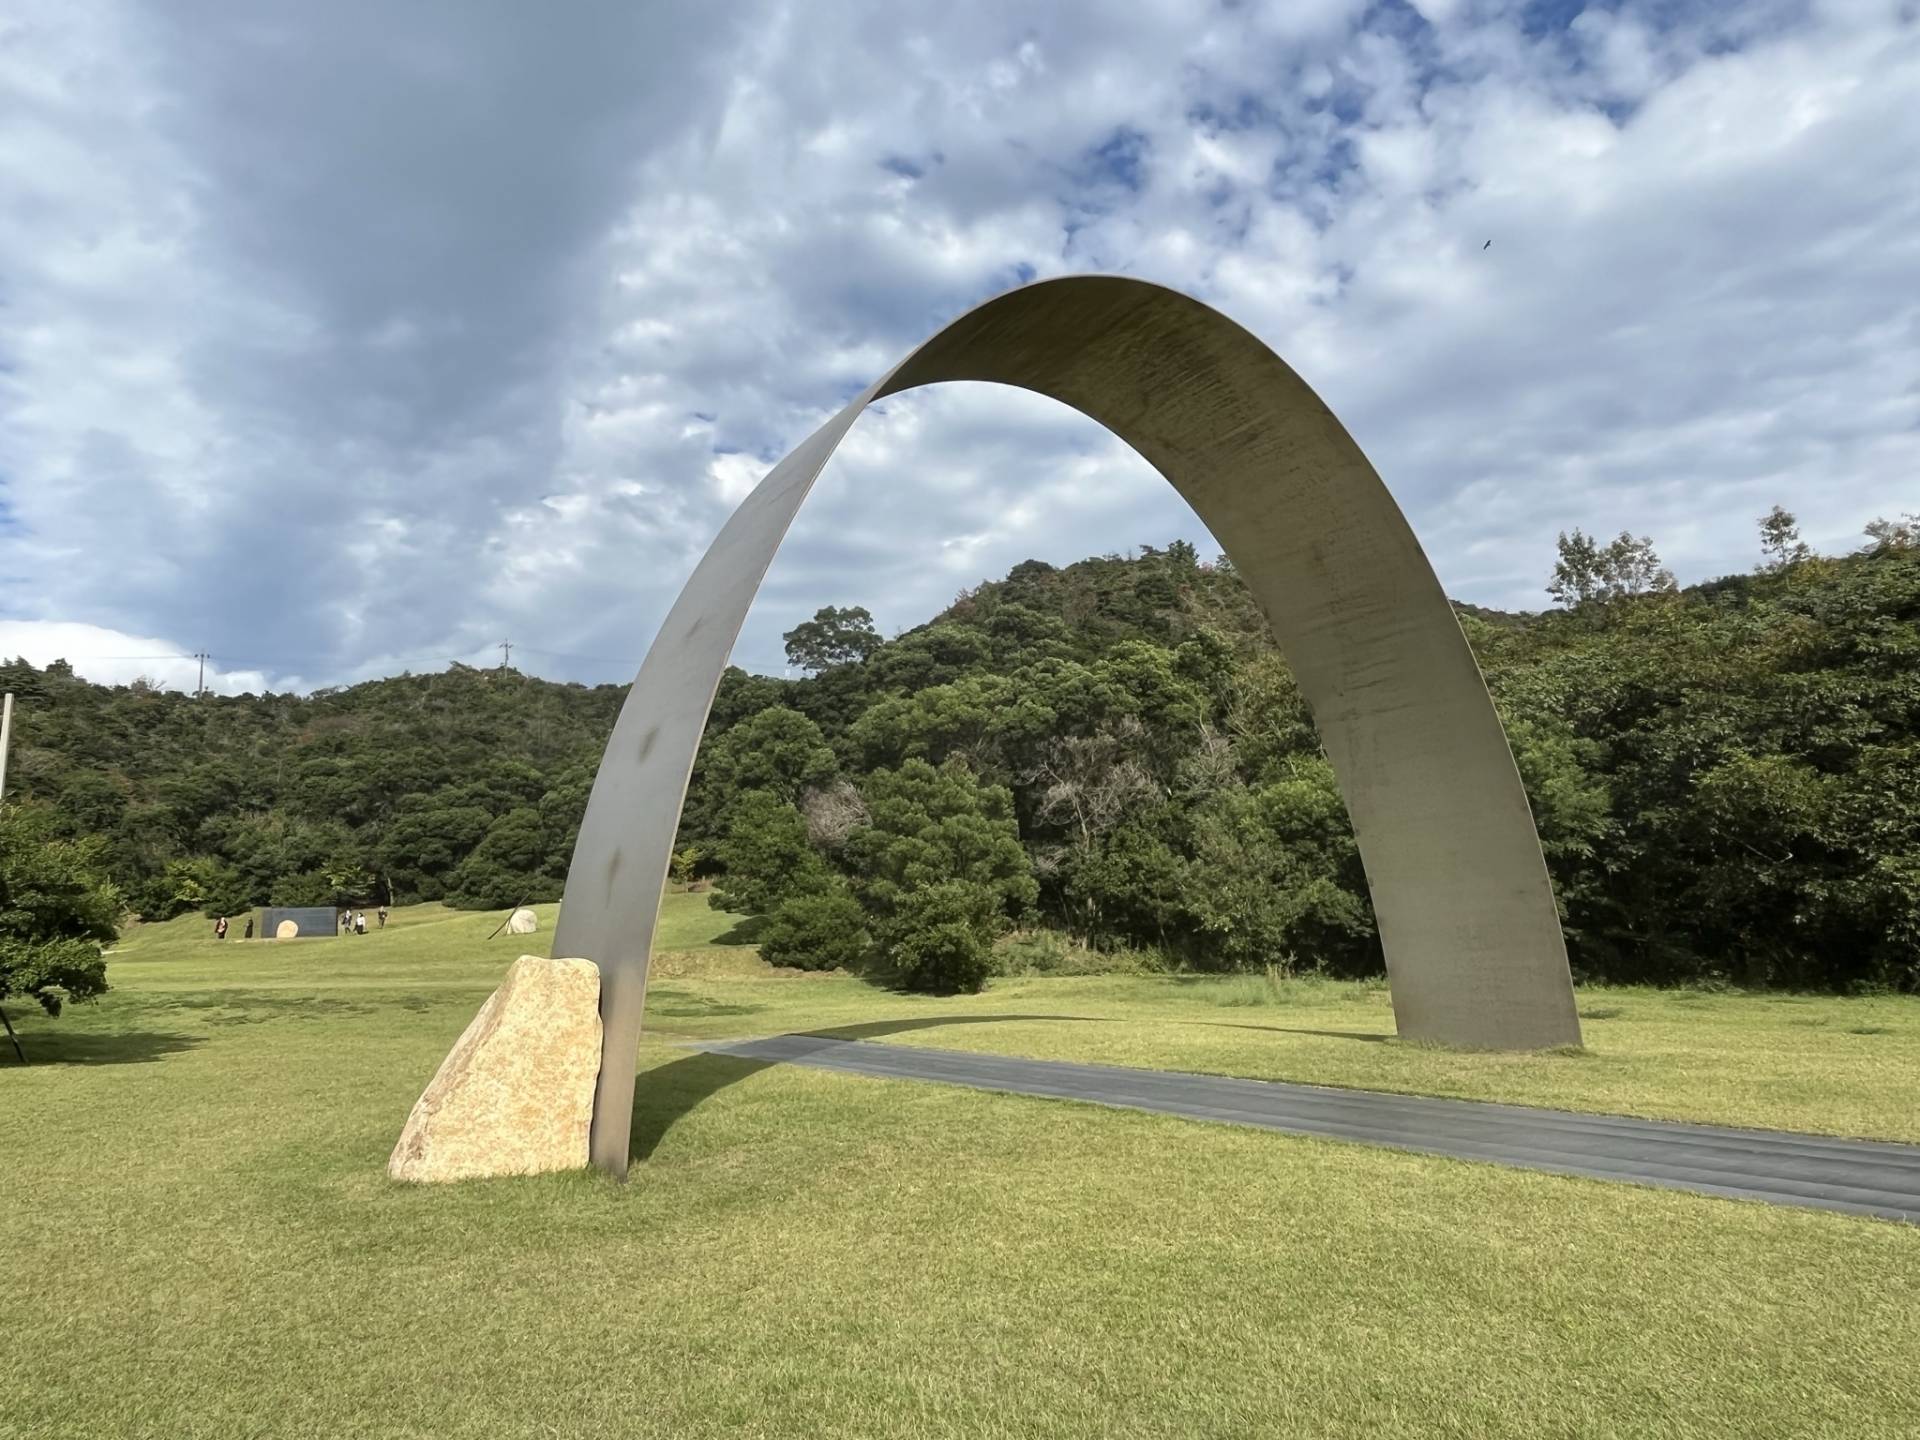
[220, 928]
[383, 917]
[249, 931]
[359, 922]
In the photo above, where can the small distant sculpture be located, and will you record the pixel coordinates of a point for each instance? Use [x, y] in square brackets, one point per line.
[308, 921]
[522, 922]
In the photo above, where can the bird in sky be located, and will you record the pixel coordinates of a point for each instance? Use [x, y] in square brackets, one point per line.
[1484, 247]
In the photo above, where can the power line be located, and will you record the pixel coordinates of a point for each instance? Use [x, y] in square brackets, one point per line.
[568, 655]
[389, 664]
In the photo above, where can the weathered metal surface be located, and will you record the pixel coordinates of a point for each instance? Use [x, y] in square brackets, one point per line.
[1460, 889]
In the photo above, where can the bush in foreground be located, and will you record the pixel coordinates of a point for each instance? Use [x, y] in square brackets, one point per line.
[56, 913]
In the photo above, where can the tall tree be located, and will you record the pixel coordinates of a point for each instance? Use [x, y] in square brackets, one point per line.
[1587, 571]
[833, 637]
[1780, 540]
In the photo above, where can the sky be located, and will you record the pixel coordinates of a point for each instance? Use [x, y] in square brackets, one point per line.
[337, 340]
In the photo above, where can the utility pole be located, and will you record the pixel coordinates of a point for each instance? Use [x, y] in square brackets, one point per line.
[506, 653]
[6, 736]
[200, 686]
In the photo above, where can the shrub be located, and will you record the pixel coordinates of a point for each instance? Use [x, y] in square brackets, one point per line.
[943, 959]
[1048, 952]
[821, 930]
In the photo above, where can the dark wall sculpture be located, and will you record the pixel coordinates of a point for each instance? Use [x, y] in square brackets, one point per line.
[1466, 913]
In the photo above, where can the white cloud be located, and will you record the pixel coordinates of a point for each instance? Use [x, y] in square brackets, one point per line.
[489, 346]
[111, 657]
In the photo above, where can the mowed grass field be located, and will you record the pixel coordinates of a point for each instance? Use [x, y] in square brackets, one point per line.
[200, 1241]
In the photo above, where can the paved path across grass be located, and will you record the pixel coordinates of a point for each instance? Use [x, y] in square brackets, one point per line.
[1861, 1177]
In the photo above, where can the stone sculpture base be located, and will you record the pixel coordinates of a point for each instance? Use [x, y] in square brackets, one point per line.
[515, 1094]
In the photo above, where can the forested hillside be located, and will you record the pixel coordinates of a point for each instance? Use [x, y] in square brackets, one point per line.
[1111, 757]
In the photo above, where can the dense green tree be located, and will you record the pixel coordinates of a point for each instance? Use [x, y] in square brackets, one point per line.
[58, 912]
[939, 850]
[513, 864]
[778, 751]
[1721, 776]
[938, 940]
[819, 929]
[1275, 878]
[834, 636]
[765, 856]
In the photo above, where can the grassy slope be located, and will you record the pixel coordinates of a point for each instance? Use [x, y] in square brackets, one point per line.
[201, 1242]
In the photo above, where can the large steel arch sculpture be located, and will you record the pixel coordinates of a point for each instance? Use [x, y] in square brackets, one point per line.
[1466, 913]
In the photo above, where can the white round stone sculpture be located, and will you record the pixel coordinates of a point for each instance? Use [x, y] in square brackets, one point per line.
[522, 922]
[285, 930]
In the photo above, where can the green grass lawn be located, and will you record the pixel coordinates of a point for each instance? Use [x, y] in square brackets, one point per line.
[1791, 1062]
[201, 1241]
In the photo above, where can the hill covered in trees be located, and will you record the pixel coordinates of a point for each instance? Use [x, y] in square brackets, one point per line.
[1111, 756]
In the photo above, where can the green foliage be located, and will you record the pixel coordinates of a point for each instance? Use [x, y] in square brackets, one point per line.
[515, 862]
[1725, 807]
[833, 637]
[1276, 877]
[1588, 572]
[774, 751]
[1722, 777]
[1780, 540]
[765, 855]
[939, 870]
[822, 929]
[938, 938]
[684, 861]
[57, 912]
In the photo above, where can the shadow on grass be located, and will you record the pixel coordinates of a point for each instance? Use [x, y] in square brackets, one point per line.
[249, 1007]
[55, 1046]
[744, 932]
[667, 1092]
[698, 1007]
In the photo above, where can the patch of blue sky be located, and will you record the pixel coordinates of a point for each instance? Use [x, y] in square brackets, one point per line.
[1330, 168]
[1120, 159]
[1542, 18]
[1245, 111]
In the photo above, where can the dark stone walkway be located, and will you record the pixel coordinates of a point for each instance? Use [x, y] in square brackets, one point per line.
[1860, 1177]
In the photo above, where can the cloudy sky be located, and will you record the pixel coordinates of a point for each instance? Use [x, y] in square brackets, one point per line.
[343, 338]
